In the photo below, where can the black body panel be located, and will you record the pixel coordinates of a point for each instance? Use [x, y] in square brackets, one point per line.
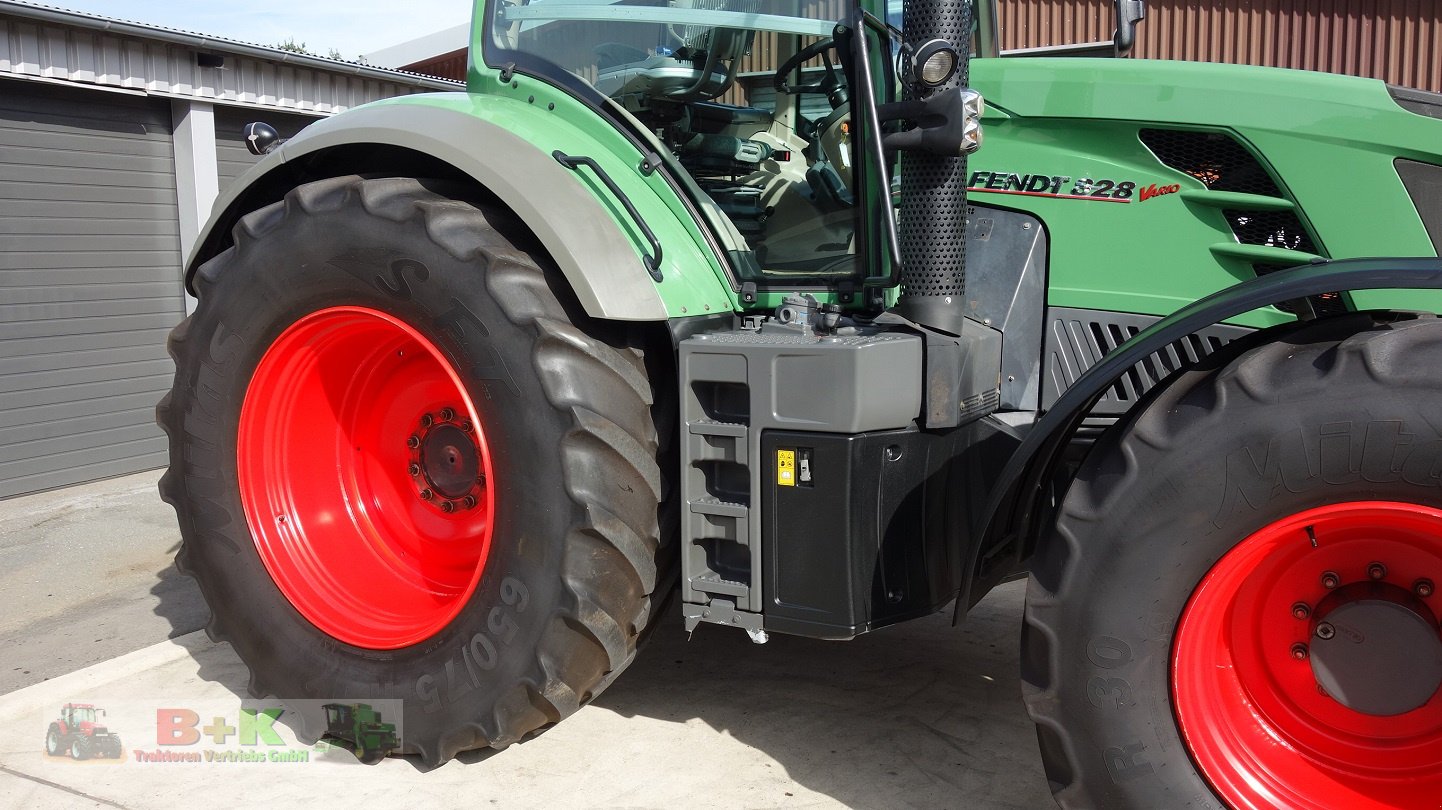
[875, 529]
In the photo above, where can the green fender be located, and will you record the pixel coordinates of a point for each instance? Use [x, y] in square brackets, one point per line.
[506, 146]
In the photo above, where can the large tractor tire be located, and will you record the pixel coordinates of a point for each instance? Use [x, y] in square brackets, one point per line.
[1237, 607]
[54, 742]
[407, 471]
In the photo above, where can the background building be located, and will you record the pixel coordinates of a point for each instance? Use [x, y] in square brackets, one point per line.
[1399, 41]
[115, 139]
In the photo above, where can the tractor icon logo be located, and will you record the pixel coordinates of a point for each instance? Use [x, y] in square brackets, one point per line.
[80, 734]
[358, 727]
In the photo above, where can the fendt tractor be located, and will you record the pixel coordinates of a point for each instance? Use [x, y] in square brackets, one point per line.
[716, 300]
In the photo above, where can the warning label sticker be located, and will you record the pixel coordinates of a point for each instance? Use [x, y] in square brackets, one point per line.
[786, 468]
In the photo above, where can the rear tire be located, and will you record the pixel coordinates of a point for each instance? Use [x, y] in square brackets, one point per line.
[540, 587]
[53, 742]
[1240, 457]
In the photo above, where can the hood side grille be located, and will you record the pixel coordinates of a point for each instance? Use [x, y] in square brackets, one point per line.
[1223, 164]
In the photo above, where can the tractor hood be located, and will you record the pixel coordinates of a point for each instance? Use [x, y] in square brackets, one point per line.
[1343, 167]
[1293, 103]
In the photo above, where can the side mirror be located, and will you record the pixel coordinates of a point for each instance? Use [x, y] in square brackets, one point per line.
[261, 138]
[1129, 13]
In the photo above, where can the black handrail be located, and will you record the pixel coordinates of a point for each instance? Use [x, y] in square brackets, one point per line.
[574, 162]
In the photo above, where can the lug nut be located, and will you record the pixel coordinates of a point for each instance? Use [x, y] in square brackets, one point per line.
[413, 442]
[447, 414]
[426, 494]
[427, 420]
[1301, 611]
[1376, 571]
[469, 501]
[1423, 588]
[1299, 651]
[1330, 580]
[414, 469]
[467, 427]
[1325, 631]
[481, 479]
[448, 506]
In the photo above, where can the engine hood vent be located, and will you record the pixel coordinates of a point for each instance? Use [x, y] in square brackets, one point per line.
[1417, 101]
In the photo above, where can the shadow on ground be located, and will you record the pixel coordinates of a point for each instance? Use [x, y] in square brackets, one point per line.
[917, 715]
[920, 715]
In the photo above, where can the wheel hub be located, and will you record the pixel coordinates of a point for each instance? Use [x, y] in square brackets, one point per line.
[445, 461]
[1376, 649]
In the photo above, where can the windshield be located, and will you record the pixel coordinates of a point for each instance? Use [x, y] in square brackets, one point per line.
[748, 96]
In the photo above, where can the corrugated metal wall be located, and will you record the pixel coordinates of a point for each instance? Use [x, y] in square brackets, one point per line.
[1399, 41]
[41, 50]
[89, 283]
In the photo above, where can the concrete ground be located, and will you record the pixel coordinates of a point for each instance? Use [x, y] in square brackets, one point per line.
[920, 715]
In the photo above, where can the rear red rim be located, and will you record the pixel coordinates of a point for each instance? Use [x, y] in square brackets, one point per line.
[1248, 666]
[365, 477]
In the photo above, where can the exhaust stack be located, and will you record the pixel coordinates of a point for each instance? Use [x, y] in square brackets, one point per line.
[932, 223]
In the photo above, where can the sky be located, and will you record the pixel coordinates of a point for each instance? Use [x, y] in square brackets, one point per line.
[353, 27]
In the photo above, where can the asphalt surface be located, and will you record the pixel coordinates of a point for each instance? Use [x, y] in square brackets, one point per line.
[86, 576]
[919, 715]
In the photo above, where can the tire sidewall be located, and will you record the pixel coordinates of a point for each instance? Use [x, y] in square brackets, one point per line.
[339, 258]
[1168, 495]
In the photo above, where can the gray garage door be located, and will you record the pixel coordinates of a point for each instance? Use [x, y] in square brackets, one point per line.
[230, 152]
[89, 283]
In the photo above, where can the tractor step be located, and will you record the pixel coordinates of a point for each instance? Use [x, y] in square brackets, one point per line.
[734, 386]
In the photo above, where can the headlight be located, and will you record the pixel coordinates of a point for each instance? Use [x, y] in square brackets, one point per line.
[932, 65]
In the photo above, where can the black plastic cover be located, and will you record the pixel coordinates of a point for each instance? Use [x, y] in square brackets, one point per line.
[1417, 101]
[1424, 185]
[875, 528]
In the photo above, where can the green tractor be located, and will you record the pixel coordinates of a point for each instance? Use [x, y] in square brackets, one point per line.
[717, 298]
[359, 728]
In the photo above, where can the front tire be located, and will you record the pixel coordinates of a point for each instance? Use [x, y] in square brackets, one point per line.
[407, 470]
[1174, 653]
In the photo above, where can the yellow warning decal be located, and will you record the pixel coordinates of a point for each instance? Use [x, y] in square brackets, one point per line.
[786, 468]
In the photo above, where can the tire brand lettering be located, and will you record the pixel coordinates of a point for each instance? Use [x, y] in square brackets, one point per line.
[1379, 452]
[462, 672]
[1108, 652]
[501, 624]
[1109, 693]
[402, 288]
[1126, 763]
[225, 344]
[485, 364]
[459, 321]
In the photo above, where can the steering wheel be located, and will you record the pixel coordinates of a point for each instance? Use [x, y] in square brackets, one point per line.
[825, 86]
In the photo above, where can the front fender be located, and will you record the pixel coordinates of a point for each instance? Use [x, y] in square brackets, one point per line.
[1020, 495]
[505, 145]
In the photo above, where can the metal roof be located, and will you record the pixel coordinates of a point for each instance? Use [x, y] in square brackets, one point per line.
[45, 43]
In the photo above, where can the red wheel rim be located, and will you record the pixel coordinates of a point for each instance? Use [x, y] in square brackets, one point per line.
[365, 477]
[1251, 710]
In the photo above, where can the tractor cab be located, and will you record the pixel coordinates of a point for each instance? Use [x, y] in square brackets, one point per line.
[80, 716]
[750, 97]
